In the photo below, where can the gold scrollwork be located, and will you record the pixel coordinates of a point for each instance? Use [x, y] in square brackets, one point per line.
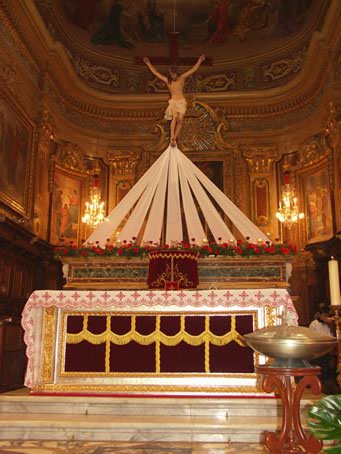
[49, 335]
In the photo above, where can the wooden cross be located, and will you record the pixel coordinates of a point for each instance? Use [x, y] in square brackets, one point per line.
[174, 59]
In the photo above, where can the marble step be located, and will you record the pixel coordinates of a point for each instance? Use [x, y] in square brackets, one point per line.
[33, 426]
[182, 419]
[22, 402]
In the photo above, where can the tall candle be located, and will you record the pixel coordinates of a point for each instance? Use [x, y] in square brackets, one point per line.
[334, 282]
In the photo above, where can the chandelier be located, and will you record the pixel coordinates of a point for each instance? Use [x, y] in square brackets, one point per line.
[288, 212]
[94, 209]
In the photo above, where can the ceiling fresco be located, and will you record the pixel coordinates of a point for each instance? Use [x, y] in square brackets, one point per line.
[201, 23]
[95, 32]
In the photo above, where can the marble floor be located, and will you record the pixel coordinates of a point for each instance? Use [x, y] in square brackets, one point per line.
[61, 447]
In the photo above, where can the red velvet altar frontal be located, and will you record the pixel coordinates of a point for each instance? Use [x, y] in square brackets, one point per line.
[157, 344]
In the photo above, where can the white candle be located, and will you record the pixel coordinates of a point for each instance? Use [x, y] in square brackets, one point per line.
[334, 282]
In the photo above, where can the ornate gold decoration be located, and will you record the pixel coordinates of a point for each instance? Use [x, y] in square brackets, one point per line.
[171, 341]
[261, 209]
[9, 78]
[156, 337]
[49, 335]
[270, 316]
[123, 162]
[160, 143]
[311, 152]
[203, 130]
[333, 127]
[199, 128]
[172, 273]
[46, 132]
[284, 67]
[260, 159]
[96, 73]
[69, 155]
[131, 389]
[212, 83]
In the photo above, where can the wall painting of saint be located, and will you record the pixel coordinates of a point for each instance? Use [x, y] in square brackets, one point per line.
[15, 144]
[318, 212]
[66, 207]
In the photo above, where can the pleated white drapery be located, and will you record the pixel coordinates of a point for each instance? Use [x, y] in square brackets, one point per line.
[187, 189]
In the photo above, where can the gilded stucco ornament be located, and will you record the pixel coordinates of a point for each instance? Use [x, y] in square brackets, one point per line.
[284, 67]
[70, 155]
[260, 159]
[123, 162]
[45, 124]
[312, 152]
[204, 130]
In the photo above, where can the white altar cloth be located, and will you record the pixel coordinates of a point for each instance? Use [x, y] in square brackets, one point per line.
[213, 301]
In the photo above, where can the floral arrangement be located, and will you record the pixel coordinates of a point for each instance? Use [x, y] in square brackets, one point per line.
[131, 249]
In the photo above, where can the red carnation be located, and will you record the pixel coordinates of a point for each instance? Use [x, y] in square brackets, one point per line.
[256, 250]
[272, 250]
[284, 250]
[83, 253]
[120, 251]
[210, 250]
[136, 250]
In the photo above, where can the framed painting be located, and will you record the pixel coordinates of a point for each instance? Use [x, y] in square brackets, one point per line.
[315, 190]
[214, 170]
[66, 212]
[15, 159]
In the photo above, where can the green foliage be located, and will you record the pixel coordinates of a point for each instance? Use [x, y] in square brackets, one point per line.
[325, 422]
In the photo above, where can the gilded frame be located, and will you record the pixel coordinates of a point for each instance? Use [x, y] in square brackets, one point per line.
[16, 133]
[315, 193]
[73, 180]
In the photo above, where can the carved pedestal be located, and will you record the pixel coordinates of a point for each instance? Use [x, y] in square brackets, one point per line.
[292, 437]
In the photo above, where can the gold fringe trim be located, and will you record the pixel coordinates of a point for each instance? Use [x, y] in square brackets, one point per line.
[206, 337]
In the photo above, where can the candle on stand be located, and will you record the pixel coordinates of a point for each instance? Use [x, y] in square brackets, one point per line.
[334, 282]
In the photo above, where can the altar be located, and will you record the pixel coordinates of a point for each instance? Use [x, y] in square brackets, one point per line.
[148, 342]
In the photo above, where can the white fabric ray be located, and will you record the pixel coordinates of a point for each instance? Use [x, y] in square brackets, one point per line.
[238, 218]
[193, 223]
[216, 224]
[175, 175]
[138, 216]
[173, 223]
[155, 219]
[106, 229]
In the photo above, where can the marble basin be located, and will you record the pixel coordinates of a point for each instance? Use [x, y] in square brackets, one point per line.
[290, 342]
